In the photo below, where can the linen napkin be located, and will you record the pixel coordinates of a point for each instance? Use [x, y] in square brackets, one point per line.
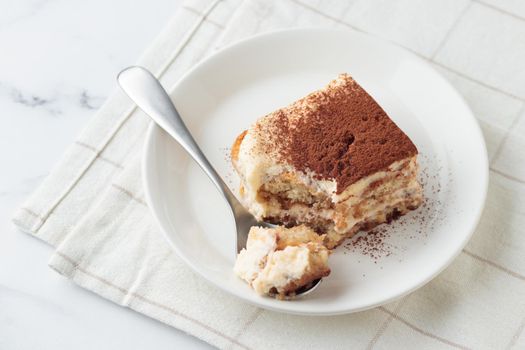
[91, 207]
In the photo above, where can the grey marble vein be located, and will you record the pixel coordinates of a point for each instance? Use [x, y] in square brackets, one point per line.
[89, 102]
[31, 101]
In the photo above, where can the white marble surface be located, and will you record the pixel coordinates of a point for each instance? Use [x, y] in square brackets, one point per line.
[58, 62]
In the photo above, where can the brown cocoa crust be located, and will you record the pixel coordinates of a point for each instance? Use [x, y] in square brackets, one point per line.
[339, 133]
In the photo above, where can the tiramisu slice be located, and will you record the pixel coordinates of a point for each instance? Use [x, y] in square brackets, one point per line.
[332, 160]
[280, 261]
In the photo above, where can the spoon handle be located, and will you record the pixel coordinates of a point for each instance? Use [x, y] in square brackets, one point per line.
[145, 90]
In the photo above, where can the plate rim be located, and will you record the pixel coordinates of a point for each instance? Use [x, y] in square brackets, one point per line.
[153, 129]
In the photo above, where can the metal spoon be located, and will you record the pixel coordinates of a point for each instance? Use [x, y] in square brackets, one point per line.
[147, 92]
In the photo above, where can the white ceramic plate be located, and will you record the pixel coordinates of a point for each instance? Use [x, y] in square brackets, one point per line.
[223, 95]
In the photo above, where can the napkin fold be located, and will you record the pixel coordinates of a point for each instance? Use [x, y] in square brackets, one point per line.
[91, 207]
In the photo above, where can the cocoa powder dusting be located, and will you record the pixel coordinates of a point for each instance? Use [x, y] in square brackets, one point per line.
[339, 133]
[372, 244]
